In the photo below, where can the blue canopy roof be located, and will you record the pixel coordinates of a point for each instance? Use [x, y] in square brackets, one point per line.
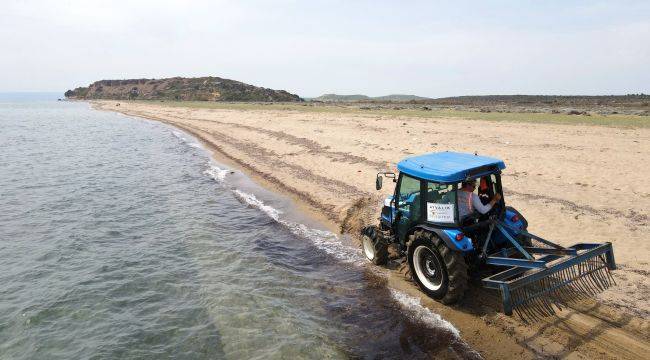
[449, 166]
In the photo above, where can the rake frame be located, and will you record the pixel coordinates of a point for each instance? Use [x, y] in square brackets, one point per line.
[537, 274]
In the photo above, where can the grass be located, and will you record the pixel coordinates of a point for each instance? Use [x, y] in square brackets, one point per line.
[615, 120]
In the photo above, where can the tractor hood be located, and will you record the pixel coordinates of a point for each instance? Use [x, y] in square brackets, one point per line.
[449, 167]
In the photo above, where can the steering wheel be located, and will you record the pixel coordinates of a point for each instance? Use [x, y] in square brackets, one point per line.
[497, 209]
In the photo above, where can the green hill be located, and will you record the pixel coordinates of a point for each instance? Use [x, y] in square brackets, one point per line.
[361, 98]
[177, 88]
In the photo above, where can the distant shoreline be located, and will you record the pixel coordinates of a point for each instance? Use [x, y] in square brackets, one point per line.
[603, 116]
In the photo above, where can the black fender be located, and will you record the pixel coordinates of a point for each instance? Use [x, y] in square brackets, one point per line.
[441, 234]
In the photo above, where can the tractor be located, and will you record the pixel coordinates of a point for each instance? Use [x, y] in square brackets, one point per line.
[436, 233]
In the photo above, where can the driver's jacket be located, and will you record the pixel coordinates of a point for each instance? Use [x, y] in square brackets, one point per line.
[468, 202]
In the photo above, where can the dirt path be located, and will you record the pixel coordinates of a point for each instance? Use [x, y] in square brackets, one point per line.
[573, 184]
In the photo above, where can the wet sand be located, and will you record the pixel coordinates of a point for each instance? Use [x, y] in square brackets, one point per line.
[573, 184]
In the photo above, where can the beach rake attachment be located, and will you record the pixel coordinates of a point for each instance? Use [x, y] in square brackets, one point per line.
[540, 279]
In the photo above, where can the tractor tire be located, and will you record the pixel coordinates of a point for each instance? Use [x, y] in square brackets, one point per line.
[374, 247]
[439, 272]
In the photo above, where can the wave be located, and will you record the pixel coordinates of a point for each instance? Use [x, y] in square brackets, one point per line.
[324, 240]
[421, 313]
[331, 244]
[216, 173]
[179, 135]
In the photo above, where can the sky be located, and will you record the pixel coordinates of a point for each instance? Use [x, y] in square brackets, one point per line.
[426, 48]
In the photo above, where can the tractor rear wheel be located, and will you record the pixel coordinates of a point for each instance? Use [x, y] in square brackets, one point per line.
[374, 247]
[440, 272]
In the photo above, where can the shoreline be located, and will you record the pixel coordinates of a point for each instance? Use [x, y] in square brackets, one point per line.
[299, 199]
[487, 331]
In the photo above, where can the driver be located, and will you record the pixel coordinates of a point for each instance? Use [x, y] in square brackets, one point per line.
[468, 201]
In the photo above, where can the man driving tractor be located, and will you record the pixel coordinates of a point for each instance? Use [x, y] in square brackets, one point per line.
[468, 201]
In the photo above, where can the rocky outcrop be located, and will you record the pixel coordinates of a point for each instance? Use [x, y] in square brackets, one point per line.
[182, 89]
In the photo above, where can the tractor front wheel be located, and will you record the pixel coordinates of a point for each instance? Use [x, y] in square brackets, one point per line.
[440, 272]
[374, 247]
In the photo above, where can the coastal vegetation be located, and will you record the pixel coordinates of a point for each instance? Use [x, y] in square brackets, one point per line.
[612, 118]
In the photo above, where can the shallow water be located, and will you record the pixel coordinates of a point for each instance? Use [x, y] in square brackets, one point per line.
[120, 238]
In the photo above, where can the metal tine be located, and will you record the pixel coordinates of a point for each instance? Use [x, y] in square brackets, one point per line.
[552, 293]
[554, 297]
[523, 294]
[604, 278]
[514, 297]
[571, 294]
[599, 277]
[600, 273]
[535, 300]
[558, 293]
[608, 273]
[585, 279]
[521, 309]
[558, 300]
[517, 298]
[534, 303]
[562, 293]
[574, 286]
[578, 281]
[534, 311]
[546, 304]
[548, 300]
[603, 273]
[595, 286]
[591, 276]
[525, 306]
[582, 289]
[567, 291]
[588, 281]
[610, 278]
[539, 300]
[570, 289]
[521, 316]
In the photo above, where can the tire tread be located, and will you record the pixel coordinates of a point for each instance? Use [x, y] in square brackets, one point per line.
[457, 268]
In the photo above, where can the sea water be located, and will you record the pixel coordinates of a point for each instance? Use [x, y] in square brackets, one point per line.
[121, 238]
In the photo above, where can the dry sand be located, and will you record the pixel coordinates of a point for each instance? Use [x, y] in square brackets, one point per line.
[573, 184]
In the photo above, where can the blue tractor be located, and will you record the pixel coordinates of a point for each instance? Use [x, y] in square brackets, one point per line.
[433, 227]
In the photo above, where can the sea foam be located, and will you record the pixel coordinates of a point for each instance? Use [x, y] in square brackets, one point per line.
[216, 173]
[185, 140]
[332, 245]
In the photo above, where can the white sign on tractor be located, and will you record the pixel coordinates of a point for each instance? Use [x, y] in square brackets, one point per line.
[440, 213]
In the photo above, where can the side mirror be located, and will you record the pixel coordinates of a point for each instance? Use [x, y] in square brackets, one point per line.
[378, 182]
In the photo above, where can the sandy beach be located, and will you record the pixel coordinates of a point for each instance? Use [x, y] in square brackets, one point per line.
[573, 184]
